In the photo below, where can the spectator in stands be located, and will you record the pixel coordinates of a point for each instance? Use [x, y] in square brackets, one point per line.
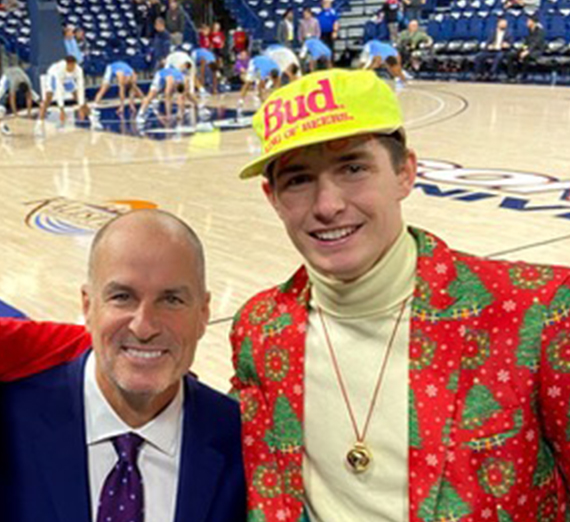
[82, 42]
[391, 16]
[63, 76]
[204, 37]
[498, 43]
[70, 43]
[286, 29]
[14, 84]
[175, 23]
[410, 45]
[309, 26]
[532, 49]
[373, 27]
[141, 11]
[413, 9]
[240, 41]
[156, 10]
[317, 54]
[160, 46]
[329, 22]
[218, 43]
[376, 55]
[241, 64]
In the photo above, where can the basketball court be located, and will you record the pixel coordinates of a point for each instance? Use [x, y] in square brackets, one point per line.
[494, 180]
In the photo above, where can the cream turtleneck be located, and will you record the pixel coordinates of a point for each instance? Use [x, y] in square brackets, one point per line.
[360, 317]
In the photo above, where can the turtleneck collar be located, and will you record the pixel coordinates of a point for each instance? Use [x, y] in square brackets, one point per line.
[384, 286]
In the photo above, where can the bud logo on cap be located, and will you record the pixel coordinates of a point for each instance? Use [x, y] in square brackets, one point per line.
[323, 106]
[278, 112]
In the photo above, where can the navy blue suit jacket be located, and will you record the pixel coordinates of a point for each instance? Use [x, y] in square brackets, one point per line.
[44, 461]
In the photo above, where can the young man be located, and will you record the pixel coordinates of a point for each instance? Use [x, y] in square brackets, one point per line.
[328, 19]
[126, 79]
[316, 53]
[125, 433]
[391, 378]
[14, 83]
[63, 76]
[376, 54]
[286, 59]
[182, 61]
[203, 58]
[262, 71]
[172, 83]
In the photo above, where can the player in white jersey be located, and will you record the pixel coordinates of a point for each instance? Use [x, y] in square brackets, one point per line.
[286, 59]
[64, 76]
[126, 78]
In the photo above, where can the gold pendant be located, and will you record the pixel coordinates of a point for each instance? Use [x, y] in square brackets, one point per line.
[359, 458]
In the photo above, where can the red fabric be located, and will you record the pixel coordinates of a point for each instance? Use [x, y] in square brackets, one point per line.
[218, 40]
[480, 329]
[240, 41]
[28, 347]
[203, 40]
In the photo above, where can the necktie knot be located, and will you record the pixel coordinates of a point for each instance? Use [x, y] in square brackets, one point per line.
[127, 447]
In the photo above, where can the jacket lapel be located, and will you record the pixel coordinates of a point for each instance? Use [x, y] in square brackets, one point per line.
[61, 449]
[201, 467]
[447, 294]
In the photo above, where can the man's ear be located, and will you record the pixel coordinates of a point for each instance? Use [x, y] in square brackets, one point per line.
[205, 314]
[86, 304]
[407, 174]
[269, 192]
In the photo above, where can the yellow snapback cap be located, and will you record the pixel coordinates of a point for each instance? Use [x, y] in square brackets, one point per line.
[323, 106]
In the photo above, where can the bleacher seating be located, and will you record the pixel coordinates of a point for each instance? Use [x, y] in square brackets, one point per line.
[110, 30]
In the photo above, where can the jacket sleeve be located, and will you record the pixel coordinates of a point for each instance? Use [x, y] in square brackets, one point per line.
[28, 347]
[554, 377]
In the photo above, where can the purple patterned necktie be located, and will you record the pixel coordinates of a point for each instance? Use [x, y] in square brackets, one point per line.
[121, 498]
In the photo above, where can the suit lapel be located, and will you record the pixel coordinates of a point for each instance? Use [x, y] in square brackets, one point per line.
[61, 448]
[447, 295]
[201, 466]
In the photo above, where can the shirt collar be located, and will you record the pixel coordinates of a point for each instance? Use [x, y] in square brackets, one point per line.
[102, 422]
[378, 291]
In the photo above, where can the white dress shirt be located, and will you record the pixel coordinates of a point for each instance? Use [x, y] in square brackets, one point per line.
[159, 457]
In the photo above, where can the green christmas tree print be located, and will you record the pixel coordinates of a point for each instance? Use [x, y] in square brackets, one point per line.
[287, 432]
[246, 371]
[256, 515]
[443, 504]
[544, 470]
[479, 407]
[426, 243]
[470, 294]
[453, 384]
[528, 351]
[414, 428]
[504, 516]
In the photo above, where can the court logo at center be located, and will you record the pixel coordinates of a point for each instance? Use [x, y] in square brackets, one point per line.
[71, 217]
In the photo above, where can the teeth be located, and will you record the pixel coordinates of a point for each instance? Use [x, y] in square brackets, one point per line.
[144, 354]
[333, 235]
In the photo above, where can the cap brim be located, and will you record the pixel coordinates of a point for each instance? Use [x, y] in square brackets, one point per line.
[257, 166]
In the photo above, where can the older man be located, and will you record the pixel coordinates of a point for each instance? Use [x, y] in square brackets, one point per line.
[124, 433]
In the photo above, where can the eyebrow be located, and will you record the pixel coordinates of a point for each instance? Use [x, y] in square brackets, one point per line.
[114, 286]
[349, 156]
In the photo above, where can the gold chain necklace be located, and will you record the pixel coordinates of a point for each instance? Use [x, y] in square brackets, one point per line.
[359, 456]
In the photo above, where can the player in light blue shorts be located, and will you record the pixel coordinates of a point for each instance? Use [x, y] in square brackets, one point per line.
[377, 54]
[170, 82]
[126, 78]
[261, 70]
[316, 53]
[204, 58]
